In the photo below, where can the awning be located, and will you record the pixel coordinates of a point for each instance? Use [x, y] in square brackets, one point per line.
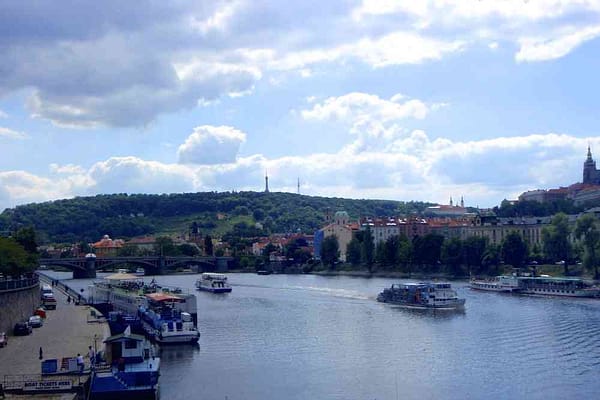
[162, 297]
[121, 277]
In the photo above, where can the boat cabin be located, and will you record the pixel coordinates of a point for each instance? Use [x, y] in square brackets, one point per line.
[126, 346]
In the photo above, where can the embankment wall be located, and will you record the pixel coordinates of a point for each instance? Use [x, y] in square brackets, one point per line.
[17, 305]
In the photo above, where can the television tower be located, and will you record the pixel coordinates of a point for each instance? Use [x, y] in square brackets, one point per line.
[266, 182]
[298, 185]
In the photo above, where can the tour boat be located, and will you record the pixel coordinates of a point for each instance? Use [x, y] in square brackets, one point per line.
[212, 282]
[130, 371]
[557, 286]
[165, 320]
[422, 295]
[168, 315]
[538, 285]
[505, 284]
[140, 272]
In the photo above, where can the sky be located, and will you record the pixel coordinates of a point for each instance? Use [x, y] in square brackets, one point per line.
[382, 99]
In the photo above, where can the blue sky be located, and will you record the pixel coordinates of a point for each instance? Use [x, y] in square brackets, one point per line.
[383, 99]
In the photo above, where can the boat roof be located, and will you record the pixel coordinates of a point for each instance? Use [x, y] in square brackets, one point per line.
[131, 336]
[163, 297]
[121, 277]
[550, 278]
[214, 275]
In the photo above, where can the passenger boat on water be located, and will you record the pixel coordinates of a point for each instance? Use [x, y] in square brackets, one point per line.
[538, 285]
[212, 282]
[131, 370]
[503, 283]
[165, 320]
[168, 315]
[422, 295]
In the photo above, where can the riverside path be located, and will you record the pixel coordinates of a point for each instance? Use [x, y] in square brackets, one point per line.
[66, 332]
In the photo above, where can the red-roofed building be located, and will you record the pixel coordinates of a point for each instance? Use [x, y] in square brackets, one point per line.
[106, 247]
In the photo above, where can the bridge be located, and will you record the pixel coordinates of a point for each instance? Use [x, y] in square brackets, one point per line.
[85, 267]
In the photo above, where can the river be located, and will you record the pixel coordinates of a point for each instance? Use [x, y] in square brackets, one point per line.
[315, 337]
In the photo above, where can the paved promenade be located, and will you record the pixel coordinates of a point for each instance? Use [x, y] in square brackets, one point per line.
[66, 332]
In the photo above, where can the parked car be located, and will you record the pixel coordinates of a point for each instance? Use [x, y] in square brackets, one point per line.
[35, 321]
[3, 339]
[22, 329]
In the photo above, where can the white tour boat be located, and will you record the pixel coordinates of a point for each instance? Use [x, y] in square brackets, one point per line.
[213, 282]
[422, 295]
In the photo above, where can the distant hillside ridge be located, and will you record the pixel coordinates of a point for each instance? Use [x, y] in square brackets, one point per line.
[129, 215]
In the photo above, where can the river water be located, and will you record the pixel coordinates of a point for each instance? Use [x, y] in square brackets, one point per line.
[314, 337]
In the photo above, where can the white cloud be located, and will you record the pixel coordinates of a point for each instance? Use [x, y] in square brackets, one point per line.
[134, 175]
[544, 29]
[66, 169]
[211, 145]
[410, 167]
[543, 48]
[12, 134]
[356, 107]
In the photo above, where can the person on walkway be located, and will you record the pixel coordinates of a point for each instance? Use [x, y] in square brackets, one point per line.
[80, 362]
[41, 353]
[69, 299]
[92, 355]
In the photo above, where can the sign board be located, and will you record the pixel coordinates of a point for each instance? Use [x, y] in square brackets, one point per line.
[43, 386]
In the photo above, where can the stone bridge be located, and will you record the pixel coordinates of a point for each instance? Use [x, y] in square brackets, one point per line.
[85, 267]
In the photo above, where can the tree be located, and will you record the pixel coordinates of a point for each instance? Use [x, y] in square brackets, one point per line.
[473, 251]
[367, 252]
[391, 247]
[14, 260]
[164, 246]
[353, 251]
[380, 252]
[330, 251]
[188, 250]
[26, 238]
[587, 229]
[405, 251]
[452, 255]
[491, 258]
[208, 245]
[514, 250]
[427, 249]
[556, 240]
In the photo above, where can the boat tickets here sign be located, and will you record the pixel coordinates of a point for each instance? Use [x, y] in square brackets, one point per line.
[47, 386]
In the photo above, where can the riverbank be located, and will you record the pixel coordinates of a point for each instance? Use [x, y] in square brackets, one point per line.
[67, 331]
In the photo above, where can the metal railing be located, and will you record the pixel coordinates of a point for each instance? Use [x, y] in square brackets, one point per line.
[9, 285]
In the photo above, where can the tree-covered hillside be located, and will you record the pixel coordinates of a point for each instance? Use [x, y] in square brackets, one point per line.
[122, 215]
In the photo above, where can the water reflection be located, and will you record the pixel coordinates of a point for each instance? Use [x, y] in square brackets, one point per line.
[428, 312]
[179, 352]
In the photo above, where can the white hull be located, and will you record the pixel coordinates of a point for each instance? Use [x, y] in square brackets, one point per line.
[491, 287]
[562, 293]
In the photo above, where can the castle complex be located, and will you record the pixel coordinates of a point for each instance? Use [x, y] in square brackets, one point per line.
[591, 175]
[588, 191]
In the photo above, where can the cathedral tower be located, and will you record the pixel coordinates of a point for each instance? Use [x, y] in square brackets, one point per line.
[590, 174]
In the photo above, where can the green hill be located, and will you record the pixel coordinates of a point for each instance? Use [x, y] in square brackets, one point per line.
[123, 216]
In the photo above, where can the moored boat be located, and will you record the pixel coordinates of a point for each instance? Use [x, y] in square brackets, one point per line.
[422, 295]
[131, 370]
[213, 282]
[537, 285]
[168, 315]
[166, 320]
[557, 286]
[503, 283]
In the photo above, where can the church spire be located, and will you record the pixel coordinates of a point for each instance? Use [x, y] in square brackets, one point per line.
[266, 182]
[589, 154]
[462, 202]
[451, 201]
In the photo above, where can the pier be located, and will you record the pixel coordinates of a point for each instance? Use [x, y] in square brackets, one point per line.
[67, 331]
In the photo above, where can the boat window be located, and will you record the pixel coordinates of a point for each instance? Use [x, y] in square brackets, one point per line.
[130, 344]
